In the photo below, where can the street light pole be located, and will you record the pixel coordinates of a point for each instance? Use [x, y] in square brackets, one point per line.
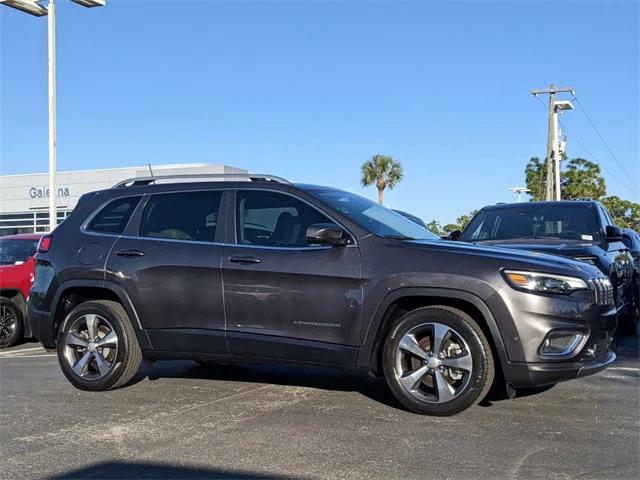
[34, 7]
[53, 216]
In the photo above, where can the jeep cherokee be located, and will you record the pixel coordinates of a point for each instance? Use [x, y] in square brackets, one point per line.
[257, 269]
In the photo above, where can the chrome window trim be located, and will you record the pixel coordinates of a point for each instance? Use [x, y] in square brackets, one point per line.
[145, 197]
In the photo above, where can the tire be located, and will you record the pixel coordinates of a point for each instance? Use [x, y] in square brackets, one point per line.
[101, 364]
[629, 323]
[457, 377]
[11, 323]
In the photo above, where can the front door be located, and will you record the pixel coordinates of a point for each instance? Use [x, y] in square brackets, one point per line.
[285, 298]
[170, 267]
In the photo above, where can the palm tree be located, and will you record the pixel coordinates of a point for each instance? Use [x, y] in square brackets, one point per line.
[382, 170]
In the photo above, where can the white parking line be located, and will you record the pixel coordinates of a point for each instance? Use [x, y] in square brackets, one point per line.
[626, 369]
[11, 352]
[29, 356]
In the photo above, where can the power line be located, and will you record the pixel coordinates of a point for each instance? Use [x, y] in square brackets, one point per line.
[604, 141]
[609, 172]
[588, 152]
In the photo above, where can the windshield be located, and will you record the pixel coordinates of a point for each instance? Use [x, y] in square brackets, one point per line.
[533, 221]
[373, 217]
[16, 251]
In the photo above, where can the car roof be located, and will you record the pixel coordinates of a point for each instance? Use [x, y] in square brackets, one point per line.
[23, 236]
[564, 203]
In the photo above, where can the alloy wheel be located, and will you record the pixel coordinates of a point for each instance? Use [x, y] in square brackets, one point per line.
[8, 322]
[433, 363]
[91, 345]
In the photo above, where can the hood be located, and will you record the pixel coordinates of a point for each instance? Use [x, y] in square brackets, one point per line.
[551, 247]
[547, 261]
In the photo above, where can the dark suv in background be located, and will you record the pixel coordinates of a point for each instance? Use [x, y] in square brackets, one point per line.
[580, 229]
[258, 269]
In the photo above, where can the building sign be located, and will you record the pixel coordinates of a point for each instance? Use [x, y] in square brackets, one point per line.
[43, 192]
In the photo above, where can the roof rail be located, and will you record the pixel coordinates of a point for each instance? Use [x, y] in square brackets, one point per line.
[254, 177]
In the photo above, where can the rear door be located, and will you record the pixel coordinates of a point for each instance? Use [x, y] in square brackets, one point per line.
[285, 298]
[168, 262]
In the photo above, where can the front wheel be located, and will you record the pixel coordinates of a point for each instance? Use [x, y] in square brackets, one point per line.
[437, 361]
[97, 346]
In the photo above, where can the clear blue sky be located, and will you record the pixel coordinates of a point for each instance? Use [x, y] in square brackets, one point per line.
[310, 89]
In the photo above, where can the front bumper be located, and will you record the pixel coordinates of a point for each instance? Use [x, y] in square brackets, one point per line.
[521, 375]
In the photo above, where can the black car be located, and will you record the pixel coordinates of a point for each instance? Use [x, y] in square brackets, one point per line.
[258, 269]
[631, 239]
[579, 229]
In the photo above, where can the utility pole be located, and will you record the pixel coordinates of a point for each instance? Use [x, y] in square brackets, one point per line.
[553, 157]
[38, 8]
[53, 213]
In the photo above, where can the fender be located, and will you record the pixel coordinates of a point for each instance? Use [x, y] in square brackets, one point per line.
[120, 293]
[368, 349]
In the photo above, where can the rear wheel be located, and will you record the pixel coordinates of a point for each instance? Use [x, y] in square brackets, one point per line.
[437, 361]
[11, 323]
[97, 346]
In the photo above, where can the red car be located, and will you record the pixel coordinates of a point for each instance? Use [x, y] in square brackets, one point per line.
[17, 266]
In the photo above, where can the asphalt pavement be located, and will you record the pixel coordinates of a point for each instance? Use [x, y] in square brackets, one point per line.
[181, 420]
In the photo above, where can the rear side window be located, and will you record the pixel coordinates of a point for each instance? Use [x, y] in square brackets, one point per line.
[113, 218]
[182, 216]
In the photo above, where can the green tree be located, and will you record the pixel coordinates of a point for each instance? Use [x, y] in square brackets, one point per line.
[383, 171]
[462, 220]
[535, 177]
[450, 227]
[625, 213]
[582, 179]
[435, 227]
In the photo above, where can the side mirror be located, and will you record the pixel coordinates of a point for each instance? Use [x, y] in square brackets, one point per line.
[454, 235]
[612, 233]
[326, 234]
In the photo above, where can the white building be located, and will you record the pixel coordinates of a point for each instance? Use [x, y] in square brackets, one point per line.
[24, 199]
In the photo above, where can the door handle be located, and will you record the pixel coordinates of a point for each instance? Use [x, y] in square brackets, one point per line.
[130, 253]
[245, 259]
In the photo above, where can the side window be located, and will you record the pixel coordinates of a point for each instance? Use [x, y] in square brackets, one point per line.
[182, 216]
[113, 218]
[274, 219]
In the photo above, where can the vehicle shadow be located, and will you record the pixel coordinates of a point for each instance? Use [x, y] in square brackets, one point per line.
[324, 378]
[131, 470]
[332, 379]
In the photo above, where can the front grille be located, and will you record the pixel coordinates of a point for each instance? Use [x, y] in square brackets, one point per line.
[598, 350]
[602, 291]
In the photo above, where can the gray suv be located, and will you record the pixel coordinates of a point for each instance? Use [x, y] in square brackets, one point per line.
[254, 268]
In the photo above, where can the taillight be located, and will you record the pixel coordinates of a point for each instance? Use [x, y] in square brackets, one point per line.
[45, 244]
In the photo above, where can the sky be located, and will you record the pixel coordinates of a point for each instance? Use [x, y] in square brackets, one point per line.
[309, 90]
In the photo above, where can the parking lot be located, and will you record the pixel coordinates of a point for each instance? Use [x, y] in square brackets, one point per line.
[181, 420]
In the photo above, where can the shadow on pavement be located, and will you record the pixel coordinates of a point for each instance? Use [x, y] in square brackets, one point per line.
[331, 379]
[131, 470]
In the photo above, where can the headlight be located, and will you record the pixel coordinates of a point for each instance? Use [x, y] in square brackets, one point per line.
[544, 282]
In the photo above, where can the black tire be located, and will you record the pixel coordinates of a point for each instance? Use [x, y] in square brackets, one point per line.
[127, 357]
[478, 381]
[11, 323]
[629, 323]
